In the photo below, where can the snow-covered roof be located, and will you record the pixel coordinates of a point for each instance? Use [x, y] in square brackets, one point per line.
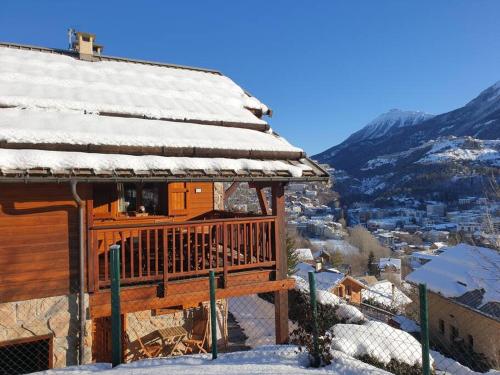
[385, 293]
[39, 79]
[469, 274]
[61, 117]
[304, 254]
[325, 280]
[389, 262]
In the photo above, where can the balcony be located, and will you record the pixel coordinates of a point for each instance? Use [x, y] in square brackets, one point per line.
[165, 253]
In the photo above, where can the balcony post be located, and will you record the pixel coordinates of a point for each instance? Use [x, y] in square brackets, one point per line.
[279, 244]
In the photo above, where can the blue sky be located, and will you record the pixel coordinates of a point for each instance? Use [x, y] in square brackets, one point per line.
[325, 67]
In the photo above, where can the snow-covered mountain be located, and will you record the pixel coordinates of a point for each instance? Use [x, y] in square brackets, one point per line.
[400, 150]
[380, 126]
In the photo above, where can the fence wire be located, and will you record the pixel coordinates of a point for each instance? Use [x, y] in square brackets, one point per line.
[362, 331]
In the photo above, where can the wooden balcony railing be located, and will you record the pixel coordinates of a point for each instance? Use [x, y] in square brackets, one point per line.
[165, 252]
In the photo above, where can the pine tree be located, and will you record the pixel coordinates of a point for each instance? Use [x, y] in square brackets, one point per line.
[371, 264]
[336, 258]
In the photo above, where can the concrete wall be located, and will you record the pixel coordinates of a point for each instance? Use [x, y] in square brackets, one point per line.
[484, 330]
[56, 316]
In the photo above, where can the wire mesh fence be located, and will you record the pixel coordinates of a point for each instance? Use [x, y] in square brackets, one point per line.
[361, 329]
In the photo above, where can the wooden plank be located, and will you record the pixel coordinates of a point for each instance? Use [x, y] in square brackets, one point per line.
[264, 206]
[147, 300]
[280, 297]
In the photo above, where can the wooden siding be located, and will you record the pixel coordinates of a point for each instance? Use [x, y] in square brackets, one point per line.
[39, 246]
[200, 199]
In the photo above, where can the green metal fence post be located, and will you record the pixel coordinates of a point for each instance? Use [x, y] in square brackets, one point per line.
[314, 307]
[116, 320]
[213, 315]
[424, 328]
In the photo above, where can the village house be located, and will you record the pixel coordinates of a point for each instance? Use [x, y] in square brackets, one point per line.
[98, 151]
[334, 281]
[464, 301]
[390, 269]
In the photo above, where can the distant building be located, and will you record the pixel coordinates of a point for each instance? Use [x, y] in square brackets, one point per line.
[390, 269]
[334, 281]
[464, 299]
[436, 209]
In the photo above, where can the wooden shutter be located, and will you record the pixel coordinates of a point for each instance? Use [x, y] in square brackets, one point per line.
[178, 198]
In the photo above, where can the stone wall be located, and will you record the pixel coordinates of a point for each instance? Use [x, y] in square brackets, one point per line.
[145, 324]
[56, 316]
[218, 196]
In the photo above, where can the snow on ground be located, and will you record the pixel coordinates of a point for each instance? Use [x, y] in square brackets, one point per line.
[263, 360]
[406, 324]
[448, 366]
[256, 317]
[378, 340]
[387, 294]
[350, 313]
[462, 148]
[341, 245]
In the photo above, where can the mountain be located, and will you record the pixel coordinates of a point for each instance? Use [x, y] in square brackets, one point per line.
[399, 148]
[393, 119]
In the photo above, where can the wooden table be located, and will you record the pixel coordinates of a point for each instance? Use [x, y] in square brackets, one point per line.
[172, 337]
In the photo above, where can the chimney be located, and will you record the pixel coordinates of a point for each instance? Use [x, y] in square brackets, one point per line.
[84, 44]
[319, 265]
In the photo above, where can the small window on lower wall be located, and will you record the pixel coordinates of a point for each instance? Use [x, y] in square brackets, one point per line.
[27, 355]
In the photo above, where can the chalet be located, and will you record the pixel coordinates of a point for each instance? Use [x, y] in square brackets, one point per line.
[334, 281]
[464, 302]
[98, 150]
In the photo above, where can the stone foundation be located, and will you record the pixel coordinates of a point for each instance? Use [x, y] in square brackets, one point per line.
[55, 316]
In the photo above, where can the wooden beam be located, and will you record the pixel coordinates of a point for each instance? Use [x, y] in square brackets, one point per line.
[230, 191]
[145, 298]
[280, 297]
[264, 206]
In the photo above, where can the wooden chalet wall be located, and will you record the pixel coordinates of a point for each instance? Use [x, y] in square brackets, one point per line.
[38, 240]
[199, 196]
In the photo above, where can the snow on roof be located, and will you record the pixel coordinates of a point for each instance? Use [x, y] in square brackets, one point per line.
[304, 254]
[382, 293]
[325, 280]
[38, 79]
[462, 269]
[63, 161]
[389, 262]
[76, 128]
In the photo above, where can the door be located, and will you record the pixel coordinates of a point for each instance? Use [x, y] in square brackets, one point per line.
[178, 198]
[101, 339]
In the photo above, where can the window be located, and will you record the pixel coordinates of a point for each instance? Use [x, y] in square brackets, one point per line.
[453, 333]
[24, 356]
[470, 342]
[441, 326]
[348, 290]
[141, 198]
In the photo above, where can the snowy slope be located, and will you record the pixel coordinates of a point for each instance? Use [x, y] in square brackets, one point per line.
[385, 156]
[269, 360]
[381, 125]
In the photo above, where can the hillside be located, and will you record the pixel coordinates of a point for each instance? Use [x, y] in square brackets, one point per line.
[419, 154]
